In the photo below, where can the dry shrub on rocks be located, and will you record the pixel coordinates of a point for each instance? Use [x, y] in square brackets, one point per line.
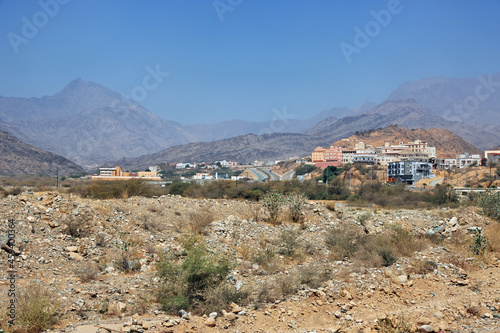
[199, 220]
[394, 325]
[86, 271]
[373, 249]
[77, 226]
[37, 309]
[492, 232]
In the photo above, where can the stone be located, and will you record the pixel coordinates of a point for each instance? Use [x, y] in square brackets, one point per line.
[71, 249]
[75, 256]
[425, 329]
[213, 315]
[210, 322]
[235, 308]
[231, 316]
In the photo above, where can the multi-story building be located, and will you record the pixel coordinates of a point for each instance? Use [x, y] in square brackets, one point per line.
[331, 156]
[462, 161]
[116, 173]
[409, 172]
[492, 155]
[318, 155]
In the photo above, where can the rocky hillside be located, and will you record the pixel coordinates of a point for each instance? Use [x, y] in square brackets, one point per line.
[19, 158]
[74, 249]
[458, 99]
[408, 114]
[91, 124]
[88, 124]
[447, 144]
[278, 146]
[246, 148]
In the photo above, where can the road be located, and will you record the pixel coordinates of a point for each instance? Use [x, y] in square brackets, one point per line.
[270, 174]
[261, 176]
[289, 175]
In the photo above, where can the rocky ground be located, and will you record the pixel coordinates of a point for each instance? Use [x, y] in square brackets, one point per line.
[77, 248]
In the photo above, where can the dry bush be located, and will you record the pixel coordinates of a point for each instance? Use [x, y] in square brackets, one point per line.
[221, 297]
[151, 223]
[342, 242]
[422, 267]
[493, 234]
[286, 284]
[199, 220]
[78, 226]
[289, 244]
[394, 325]
[313, 276]
[141, 304]
[86, 271]
[256, 213]
[406, 243]
[37, 309]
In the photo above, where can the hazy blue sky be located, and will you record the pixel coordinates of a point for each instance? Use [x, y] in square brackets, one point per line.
[230, 59]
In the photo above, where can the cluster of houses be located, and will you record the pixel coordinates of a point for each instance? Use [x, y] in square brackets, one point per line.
[407, 162]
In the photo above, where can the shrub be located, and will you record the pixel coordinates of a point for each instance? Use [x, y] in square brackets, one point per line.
[479, 243]
[342, 242]
[394, 325]
[199, 220]
[186, 285]
[312, 276]
[273, 202]
[77, 226]
[118, 189]
[288, 243]
[490, 204]
[36, 308]
[86, 271]
[388, 257]
[295, 202]
[126, 257]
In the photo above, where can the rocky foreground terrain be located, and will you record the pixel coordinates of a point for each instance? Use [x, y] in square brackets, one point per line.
[75, 248]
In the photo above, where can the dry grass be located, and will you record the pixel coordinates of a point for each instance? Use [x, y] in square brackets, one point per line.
[492, 232]
[37, 309]
[199, 220]
[86, 271]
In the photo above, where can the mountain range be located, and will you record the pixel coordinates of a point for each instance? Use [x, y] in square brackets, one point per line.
[19, 158]
[91, 124]
[277, 146]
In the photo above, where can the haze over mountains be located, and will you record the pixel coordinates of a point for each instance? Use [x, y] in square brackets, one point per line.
[19, 158]
[90, 124]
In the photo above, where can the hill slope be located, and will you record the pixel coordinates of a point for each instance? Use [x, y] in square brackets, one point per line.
[408, 114]
[278, 146]
[245, 148]
[464, 99]
[91, 124]
[19, 158]
[447, 144]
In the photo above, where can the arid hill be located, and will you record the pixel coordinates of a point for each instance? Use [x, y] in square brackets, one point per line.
[447, 144]
[19, 158]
